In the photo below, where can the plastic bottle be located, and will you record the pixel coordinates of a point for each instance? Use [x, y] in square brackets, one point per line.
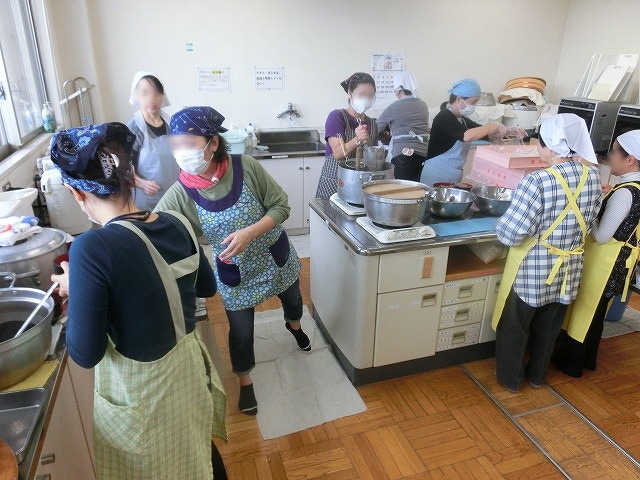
[253, 139]
[48, 118]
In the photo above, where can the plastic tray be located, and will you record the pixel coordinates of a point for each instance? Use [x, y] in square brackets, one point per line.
[19, 414]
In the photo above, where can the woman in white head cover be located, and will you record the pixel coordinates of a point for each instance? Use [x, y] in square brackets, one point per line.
[610, 257]
[545, 227]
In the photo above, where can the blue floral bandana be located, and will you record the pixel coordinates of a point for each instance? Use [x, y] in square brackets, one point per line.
[202, 121]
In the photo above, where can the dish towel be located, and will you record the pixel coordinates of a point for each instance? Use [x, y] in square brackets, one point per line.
[297, 390]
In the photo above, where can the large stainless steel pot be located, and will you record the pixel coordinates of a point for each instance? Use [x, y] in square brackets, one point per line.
[21, 356]
[395, 212]
[350, 180]
[32, 260]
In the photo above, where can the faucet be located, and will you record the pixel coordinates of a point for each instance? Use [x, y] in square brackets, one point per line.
[289, 111]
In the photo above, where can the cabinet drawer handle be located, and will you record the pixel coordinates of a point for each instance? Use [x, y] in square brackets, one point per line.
[47, 458]
[462, 315]
[300, 168]
[458, 337]
[429, 299]
[497, 286]
[46, 476]
[465, 291]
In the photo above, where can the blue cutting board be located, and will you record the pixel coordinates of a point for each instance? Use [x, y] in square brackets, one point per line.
[464, 227]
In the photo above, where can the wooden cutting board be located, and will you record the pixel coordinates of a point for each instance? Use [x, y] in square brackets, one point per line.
[8, 463]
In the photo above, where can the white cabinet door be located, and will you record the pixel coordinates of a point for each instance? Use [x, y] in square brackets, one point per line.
[289, 173]
[486, 332]
[419, 268]
[312, 169]
[65, 454]
[407, 325]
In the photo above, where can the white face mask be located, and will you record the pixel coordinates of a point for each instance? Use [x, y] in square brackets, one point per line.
[82, 207]
[361, 104]
[467, 109]
[191, 160]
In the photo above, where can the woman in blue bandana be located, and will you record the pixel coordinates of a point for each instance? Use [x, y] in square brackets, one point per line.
[239, 209]
[452, 133]
[132, 289]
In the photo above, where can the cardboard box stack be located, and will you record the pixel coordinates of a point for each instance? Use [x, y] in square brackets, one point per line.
[505, 165]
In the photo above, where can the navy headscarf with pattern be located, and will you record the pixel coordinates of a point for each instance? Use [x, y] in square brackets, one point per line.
[202, 121]
[74, 149]
[350, 84]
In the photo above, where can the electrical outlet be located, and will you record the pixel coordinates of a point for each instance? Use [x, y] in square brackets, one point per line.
[6, 187]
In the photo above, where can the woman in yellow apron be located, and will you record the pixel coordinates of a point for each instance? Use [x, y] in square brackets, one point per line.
[545, 227]
[610, 257]
[158, 399]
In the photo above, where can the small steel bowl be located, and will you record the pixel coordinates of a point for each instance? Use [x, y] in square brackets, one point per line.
[450, 202]
[493, 200]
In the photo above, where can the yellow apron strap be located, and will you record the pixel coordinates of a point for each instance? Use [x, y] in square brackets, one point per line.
[572, 205]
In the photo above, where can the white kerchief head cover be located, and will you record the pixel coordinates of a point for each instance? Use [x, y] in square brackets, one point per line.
[133, 100]
[630, 141]
[566, 133]
[406, 80]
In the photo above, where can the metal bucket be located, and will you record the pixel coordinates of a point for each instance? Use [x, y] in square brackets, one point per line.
[21, 356]
[350, 180]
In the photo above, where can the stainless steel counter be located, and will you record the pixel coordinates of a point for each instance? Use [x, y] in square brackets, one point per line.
[363, 243]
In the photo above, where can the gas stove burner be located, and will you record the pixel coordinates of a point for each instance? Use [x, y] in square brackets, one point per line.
[347, 208]
[386, 234]
[387, 227]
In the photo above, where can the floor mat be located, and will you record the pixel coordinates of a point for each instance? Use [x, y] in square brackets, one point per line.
[297, 390]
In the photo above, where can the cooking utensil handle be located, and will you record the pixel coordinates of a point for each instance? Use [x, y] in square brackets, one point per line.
[38, 307]
[9, 277]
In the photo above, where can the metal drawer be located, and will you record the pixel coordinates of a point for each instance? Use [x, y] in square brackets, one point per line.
[406, 270]
[458, 337]
[467, 290]
[461, 314]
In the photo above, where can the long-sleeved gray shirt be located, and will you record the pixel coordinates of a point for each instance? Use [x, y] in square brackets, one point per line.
[409, 114]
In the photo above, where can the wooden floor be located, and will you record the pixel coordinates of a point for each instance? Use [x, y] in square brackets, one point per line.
[453, 423]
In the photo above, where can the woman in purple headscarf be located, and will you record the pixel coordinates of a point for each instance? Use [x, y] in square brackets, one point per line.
[239, 209]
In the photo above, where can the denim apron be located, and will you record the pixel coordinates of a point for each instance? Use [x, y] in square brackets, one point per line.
[446, 167]
[154, 420]
[155, 162]
[267, 267]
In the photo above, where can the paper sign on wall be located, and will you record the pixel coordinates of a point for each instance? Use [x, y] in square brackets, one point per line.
[213, 79]
[269, 78]
[383, 66]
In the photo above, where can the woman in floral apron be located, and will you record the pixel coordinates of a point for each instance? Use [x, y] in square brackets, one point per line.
[132, 287]
[344, 128]
[239, 209]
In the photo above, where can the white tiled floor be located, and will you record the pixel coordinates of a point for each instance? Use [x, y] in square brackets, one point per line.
[301, 244]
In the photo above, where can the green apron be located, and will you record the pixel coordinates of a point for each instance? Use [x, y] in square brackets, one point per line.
[154, 420]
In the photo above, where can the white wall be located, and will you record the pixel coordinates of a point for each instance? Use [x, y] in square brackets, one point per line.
[318, 42]
[596, 26]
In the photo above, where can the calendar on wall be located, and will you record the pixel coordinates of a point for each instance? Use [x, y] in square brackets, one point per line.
[213, 79]
[383, 66]
[269, 78]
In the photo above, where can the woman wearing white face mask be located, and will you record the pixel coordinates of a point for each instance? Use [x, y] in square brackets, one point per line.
[155, 168]
[239, 208]
[344, 128]
[452, 134]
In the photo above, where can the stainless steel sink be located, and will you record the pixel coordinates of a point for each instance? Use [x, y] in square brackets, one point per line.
[295, 147]
[290, 141]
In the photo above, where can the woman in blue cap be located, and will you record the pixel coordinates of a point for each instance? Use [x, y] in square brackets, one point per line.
[132, 289]
[239, 209]
[452, 134]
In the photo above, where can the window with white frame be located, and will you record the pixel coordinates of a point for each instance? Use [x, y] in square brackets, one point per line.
[22, 90]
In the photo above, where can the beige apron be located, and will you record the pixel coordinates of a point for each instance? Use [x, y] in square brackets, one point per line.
[154, 420]
[599, 260]
[518, 253]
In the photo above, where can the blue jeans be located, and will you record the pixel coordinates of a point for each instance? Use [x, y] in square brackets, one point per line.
[241, 328]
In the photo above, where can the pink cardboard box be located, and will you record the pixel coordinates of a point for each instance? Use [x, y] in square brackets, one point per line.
[500, 176]
[510, 156]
